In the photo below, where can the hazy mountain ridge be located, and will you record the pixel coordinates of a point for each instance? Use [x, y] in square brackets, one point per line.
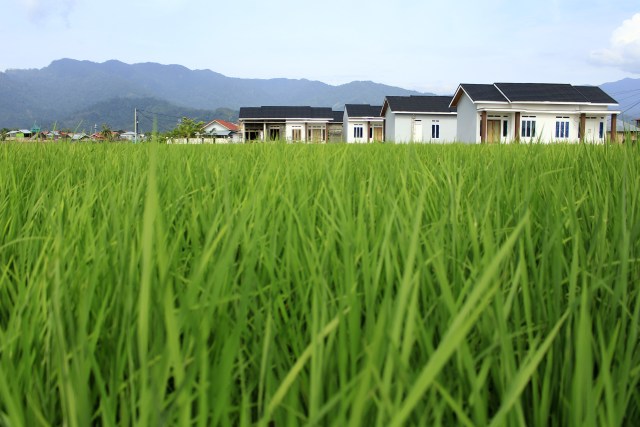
[72, 93]
[68, 90]
[627, 93]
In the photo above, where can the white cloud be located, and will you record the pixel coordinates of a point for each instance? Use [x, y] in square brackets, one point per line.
[42, 10]
[625, 47]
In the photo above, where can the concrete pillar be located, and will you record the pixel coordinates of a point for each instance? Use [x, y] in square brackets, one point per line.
[583, 126]
[483, 127]
[517, 127]
[264, 132]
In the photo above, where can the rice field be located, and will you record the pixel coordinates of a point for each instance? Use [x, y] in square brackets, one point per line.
[278, 284]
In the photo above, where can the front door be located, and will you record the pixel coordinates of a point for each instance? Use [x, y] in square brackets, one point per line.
[417, 131]
[377, 134]
[493, 131]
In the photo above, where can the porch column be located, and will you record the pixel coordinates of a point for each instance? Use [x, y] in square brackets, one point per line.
[264, 132]
[483, 127]
[517, 127]
[384, 130]
[614, 126]
[583, 126]
[368, 131]
[326, 133]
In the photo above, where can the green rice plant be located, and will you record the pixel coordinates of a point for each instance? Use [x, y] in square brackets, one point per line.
[328, 284]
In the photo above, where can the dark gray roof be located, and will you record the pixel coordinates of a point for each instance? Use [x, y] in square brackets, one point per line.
[420, 104]
[596, 95]
[481, 92]
[285, 112]
[540, 92]
[363, 110]
[536, 92]
[338, 116]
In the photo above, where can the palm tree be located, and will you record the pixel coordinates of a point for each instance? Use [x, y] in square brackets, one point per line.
[106, 132]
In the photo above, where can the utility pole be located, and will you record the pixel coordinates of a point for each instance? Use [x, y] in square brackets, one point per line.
[135, 125]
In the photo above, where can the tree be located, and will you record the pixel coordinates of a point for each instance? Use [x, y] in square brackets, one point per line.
[3, 134]
[186, 128]
[106, 132]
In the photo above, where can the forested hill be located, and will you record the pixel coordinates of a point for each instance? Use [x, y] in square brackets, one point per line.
[69, 92]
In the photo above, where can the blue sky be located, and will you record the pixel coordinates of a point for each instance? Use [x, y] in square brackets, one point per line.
[423, 45]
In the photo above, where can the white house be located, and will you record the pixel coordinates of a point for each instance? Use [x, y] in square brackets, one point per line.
[287, 123]
[506, 112]
[129, 136]
[222, 129]
[419, 119]
[362, 123]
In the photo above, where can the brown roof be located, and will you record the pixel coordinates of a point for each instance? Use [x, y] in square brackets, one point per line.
[228, 125]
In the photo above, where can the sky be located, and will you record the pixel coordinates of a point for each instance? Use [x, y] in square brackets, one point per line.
[429, 46]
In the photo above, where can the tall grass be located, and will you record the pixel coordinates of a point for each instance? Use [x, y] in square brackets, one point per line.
[319, 285]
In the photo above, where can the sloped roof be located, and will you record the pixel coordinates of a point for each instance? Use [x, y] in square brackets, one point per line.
[230, 126]
[541, 92]
[363, 110]
[338, 116]
[285, 112]
[420, 104]
[534, 93]
[595, 95]
[483, 92]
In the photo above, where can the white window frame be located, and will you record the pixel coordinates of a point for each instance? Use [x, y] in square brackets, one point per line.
[562, 127]
[530, 130]
[435, 129]
[358, 131]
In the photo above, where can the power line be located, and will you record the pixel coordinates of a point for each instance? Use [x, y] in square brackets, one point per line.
[634, 105]
[624, 91]
[634, 95]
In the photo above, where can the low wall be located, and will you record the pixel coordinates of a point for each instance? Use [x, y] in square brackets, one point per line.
[201, 141]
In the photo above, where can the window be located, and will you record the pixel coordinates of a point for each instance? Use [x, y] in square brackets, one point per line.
[358, 131]
[505, 128]
[435, 131]
[528, 129]
[601, 130]
[562, 127]
[296, 134]
[274, 134]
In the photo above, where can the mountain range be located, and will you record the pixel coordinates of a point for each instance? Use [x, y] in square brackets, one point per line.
[80, 95]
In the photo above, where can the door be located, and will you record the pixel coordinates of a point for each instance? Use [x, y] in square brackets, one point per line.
[493, 131]
[377, 134]
[417, 131]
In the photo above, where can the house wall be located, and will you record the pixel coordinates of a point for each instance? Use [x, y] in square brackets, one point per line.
[390, 126]
[468, 125]
[302, 126]
[546, 127]
[400, 127]
[545, 116]
[349, 126]
[448, 127]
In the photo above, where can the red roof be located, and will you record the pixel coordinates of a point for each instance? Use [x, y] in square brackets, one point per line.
[228, 125]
